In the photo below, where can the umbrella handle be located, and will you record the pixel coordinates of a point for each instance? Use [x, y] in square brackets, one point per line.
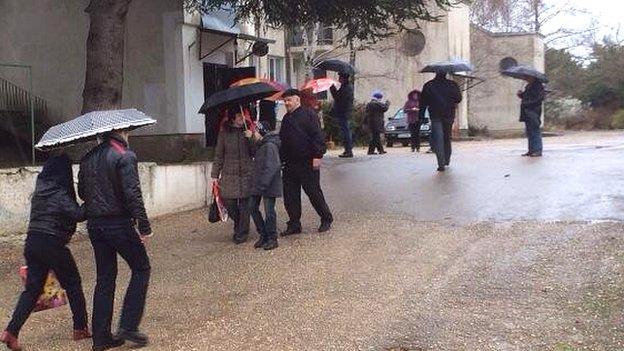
[243, 114]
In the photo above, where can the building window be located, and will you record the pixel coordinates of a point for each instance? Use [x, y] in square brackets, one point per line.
[276, 69]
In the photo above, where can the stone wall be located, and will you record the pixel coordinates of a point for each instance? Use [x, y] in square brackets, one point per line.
[166, 189]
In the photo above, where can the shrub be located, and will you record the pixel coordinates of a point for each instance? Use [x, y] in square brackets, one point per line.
[617, 120]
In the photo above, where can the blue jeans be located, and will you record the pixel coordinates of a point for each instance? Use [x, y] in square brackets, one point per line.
[534, 136]
[347, 137]
[107, 242]
[267, 226]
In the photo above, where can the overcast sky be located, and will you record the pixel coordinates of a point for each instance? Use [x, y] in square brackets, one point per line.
[608, 15]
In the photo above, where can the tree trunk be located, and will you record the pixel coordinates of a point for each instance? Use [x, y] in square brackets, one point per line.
[352, 53]
[105, 55]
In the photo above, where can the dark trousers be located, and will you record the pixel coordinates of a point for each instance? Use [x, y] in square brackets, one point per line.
[267, 226]
[42, 253]
[238, 210]
[441, 141]
[347, 137]
[301, 175]
[375, 143]
[534, 136]
[415, 135]
[107, 242]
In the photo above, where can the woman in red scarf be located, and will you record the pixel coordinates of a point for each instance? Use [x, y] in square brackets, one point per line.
[412, 110]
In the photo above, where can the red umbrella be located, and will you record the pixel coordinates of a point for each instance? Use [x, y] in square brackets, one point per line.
[319, 85]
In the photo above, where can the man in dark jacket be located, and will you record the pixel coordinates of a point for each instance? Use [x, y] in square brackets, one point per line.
[303, 147]
[531, 114]
[343, 109]
[267, 186]
[441, 96]
[53, 216]
[109, 185]
[374, 120]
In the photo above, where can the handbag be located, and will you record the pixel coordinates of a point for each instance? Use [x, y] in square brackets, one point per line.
[52, 296]
[217, 211]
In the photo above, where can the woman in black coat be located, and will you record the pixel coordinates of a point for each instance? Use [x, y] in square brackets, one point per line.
[54, 213]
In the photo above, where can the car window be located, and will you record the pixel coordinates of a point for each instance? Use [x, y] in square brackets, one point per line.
[400, 114]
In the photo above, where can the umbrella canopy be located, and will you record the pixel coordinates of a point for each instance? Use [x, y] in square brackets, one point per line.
[337, 66]
[238, 95]
[281, 87]
[453, 66]
[319, 85]
[88, 126]
[523, 72]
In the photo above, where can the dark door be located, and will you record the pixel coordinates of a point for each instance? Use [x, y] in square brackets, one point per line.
[219, 77]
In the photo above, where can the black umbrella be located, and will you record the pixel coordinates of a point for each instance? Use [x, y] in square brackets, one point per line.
[238, 96]
[337, 66]
[523, 72]
[448, 67]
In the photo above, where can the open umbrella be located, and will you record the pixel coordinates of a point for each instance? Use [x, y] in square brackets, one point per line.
[337, 66]
[523, 72]
[88, 126]
[452, 66]
[275, 84]
[319, 85]
[239, 95]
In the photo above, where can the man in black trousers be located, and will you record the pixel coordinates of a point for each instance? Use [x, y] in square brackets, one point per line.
[303, 147]
[441, 96]
[109, 185]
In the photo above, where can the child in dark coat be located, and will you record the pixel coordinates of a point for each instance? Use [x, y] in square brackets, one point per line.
[267, 186]
[54, 213]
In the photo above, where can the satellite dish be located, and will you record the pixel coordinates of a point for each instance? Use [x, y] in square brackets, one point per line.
[412, 42]
[260, 48]
[507, 63]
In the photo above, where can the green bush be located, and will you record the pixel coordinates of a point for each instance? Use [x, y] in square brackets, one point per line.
[332, 129]
[617, 121]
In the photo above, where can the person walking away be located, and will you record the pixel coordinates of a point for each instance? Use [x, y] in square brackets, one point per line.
[343, 110]
[54, 213]
[108, 183]
[412, 110]
[267, 186]
[233, 170]
[441, 96]
[303, 147]
[531, 113]
[374, 119]
[268, 113]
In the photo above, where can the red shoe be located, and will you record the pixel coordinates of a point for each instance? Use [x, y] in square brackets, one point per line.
[10, 340]
[81, 334]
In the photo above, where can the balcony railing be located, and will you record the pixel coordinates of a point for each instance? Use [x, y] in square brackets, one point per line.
[325, 37]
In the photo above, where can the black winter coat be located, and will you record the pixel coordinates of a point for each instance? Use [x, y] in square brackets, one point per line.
[53, 208]
[343, 101]
[108, 183]
[532, 99]
[374, 118]
[440, 96]
[301, 136]
[267, 180]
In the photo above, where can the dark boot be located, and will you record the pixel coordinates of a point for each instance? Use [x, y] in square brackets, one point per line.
[239, 239]
[134, 337]
[270, 244]
[346, 154]
[291, 231]
[325, 226]
[109, 345]
[10, 340]
[260, 243]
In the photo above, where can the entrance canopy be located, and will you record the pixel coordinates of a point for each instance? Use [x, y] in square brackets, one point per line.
[222, 23]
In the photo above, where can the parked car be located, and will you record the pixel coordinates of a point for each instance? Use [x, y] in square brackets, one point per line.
[397, 130]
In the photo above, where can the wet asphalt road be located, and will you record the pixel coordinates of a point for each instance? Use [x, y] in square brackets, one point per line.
[579, 178]
[493, 263]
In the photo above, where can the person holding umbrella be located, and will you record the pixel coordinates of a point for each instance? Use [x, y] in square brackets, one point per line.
[54, 213]
[441, 96]
[233, 170]
[110, 187]
[532, 99]
[342, 111]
